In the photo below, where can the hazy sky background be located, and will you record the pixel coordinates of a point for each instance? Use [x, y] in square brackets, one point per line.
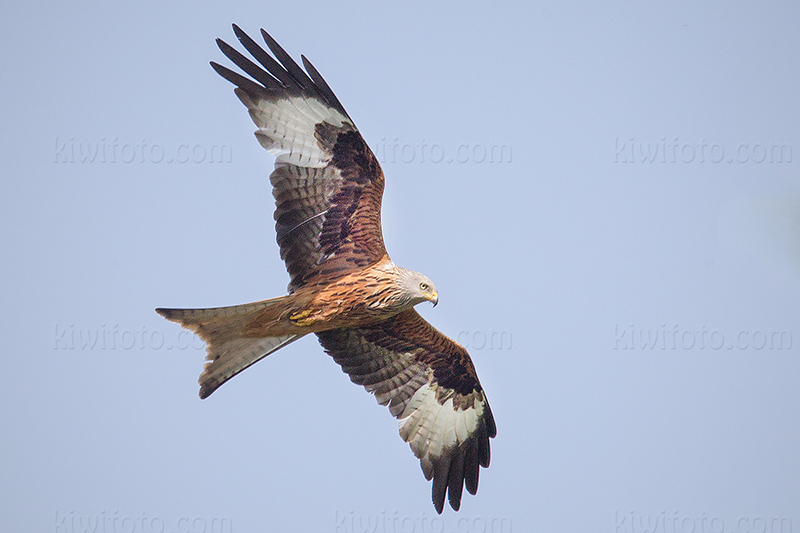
[606, 195]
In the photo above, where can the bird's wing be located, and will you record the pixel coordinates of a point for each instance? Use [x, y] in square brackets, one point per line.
[327, 182]
[429, 383]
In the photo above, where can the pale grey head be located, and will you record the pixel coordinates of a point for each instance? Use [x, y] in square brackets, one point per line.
[416, 288]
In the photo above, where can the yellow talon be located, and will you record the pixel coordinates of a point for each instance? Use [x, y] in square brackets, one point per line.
[299, 318]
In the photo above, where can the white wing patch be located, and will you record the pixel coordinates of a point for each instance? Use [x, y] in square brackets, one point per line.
[431, 427]
[287, 127]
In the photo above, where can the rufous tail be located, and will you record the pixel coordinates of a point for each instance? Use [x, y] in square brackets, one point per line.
[223, 329]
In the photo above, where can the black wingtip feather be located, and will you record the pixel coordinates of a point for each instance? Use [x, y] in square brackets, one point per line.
[278, 73]
[253, 70]
[440, 471]
[491, 427]
[323, 86]
[247, 85]
[484, 452]
[272, 66]
[288, 63]
[455, 478]
[472, 468]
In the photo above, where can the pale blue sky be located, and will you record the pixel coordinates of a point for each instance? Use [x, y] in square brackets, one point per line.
[636, 245]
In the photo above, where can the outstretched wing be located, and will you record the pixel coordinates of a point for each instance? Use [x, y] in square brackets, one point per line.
[430, 385]
[327, 183]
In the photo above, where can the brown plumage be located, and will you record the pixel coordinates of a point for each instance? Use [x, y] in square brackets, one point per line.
[328, 188]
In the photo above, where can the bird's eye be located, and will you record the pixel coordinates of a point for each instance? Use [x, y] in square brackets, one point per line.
[423, 286]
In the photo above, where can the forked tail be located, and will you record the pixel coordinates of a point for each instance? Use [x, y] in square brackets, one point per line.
[222, 328]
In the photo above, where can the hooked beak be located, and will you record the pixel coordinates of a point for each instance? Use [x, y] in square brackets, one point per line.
[434, 298]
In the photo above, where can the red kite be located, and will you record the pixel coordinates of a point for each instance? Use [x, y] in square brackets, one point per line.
[344, 287]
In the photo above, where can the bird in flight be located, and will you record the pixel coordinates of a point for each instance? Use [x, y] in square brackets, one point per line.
[344, 288]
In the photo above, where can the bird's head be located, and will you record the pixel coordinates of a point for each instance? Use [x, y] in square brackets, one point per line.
[417, 288]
